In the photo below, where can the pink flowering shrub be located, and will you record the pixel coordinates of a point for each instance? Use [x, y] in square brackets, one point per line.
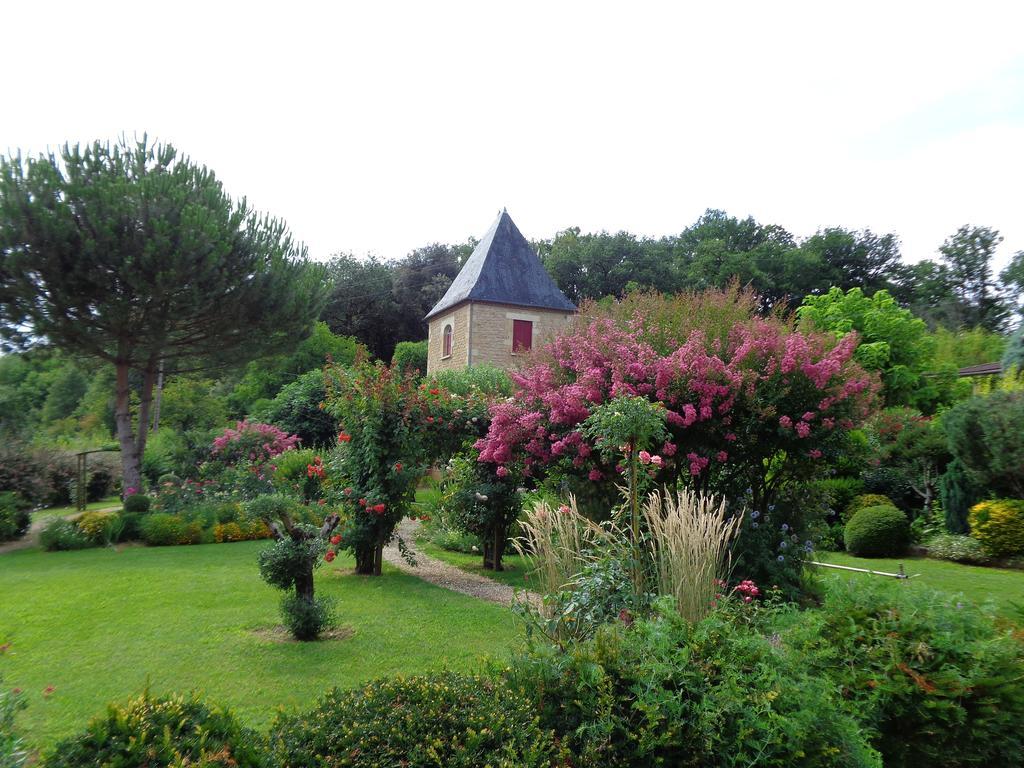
[761, 406]
[751, 407]
[252, 442]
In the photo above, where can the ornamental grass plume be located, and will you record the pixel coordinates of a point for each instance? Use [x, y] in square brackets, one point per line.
[688, 542]
[557, 544]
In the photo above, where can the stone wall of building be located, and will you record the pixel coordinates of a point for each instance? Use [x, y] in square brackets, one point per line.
[458, 318]
[491, 336]
[489, 328]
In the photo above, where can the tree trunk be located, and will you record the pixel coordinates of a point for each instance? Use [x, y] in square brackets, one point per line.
[133, 444]
[494, 549]
[304, 587]
[365, 557]
[131, 461]
[378, 559]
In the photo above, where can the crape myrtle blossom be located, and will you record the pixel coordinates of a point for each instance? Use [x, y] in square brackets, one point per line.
[766, 391]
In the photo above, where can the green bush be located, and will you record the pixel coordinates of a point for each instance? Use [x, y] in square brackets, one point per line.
[306, 619]
[934, 682]
[410, 357]
[664, 692]
[162, 530]
[296, 409]
[881, 531]
[100, 527]
[959, 491]
[483, 379]
[987, 435]
[61, 535]
[959, 549]
[840, 491]
[999, 525]
[863, 502]
[442, 720]
[161, 732]
[137, 503]
[14, 516]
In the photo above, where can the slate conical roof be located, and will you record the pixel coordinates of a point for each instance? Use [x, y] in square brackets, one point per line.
[504, 269]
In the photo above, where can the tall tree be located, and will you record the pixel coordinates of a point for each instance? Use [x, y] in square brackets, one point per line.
[967, 255]
[856, 259]
[134, 255]
[361, 303]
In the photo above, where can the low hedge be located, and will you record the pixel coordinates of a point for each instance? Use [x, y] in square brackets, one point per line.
[448, 720]
[161, 732]
[881, 531]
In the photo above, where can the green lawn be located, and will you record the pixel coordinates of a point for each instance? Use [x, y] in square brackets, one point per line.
[515, 568]
[99, 625]
[110, 501]
[998, 586]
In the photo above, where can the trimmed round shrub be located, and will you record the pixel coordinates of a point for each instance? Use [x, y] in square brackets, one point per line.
[62, 535]
[99, 527]
[306, 619]
[160, 530]
[137, 503]
[959, 549]
[881, 531]
[999, 525]
[864, 501]
[439, 720]
[162, 732]
[14, 516]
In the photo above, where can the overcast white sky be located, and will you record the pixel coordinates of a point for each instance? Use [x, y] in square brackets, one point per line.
[379, 127]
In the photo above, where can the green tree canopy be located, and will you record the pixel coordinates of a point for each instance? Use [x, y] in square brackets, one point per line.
[893, 341]
[133, 255]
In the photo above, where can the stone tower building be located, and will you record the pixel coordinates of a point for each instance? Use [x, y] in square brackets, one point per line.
[500, 305]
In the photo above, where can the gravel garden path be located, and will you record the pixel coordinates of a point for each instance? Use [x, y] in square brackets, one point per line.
[448, 576]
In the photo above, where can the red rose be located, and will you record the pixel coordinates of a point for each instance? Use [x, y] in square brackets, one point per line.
[379, 509]
[398, 467]
[435, 391]
[362, 502]
[329, 556]
[336, 539]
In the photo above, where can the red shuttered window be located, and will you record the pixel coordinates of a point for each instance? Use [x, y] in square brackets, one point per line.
[522, 336]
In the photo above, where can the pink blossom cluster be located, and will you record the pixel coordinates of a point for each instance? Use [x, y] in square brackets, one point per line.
[252, 441]
[766, 385]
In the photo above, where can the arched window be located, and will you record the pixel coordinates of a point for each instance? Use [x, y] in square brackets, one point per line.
[446, 343]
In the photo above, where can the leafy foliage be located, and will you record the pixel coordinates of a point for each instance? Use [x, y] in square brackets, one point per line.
[138, 503]
[986, 434]
[163, 732]
[482, 501]
[664, 692]
[410, 357]
[14, 516]
[298, 410]
[934, 681]
[959, 549]
[60, 535]
[390, 429]
[892, 340]
[447, 719]
[959, 492]
[877, 532]
[999, 525]
[306, 619]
